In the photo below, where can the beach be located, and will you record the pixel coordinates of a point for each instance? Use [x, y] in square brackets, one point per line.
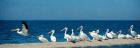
[109, 42]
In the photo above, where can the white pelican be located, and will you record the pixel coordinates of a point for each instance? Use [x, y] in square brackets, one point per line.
[108, 34]
[128, 36]
[133, 33]
[52, 37]
[94, 34]
[100, 37]
[72, 34]
[74, 38]
[104, 37]
[66, 36]
[121, 36]
[42, 39]
[24, 31]
[138, 36]
[114, 34]
[97, 36]
[82, 35]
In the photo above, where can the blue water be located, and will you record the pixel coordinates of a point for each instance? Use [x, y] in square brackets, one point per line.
[37, 27]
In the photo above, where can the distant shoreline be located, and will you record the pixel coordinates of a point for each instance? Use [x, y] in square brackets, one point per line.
[110, 42]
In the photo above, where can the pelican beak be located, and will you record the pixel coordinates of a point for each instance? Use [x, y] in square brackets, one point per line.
[13, 30]
[62, 30]
[38, 36]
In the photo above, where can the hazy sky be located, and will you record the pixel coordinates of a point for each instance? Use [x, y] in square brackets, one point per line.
[70, 9]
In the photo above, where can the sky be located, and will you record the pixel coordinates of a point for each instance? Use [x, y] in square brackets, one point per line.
[69, 9]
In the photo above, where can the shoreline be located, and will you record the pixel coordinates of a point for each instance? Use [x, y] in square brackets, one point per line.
[110, 42]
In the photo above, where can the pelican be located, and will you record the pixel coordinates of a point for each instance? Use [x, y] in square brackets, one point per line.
[121, 36]
[104, 37]
[94, 34]
[24, 31]
[138, 36]
[42, 39]
[108, 34]
[82, 35]
[133, 33]
[74, 38]
[100, 37]
[114, 34]
[72, 34]
[128, 36]
[66, 36]
[52, 37]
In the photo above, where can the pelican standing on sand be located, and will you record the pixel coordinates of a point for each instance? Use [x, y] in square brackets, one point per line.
[133, 33]
[120, 35]
[94, 35]
[66, 36]
[138, 36]
[52, 37]
[128, 36]
[100, 37]
[114, 34]
[82, 35]
[24, 31]
[74, 38]
[108, 34]
[42, 39]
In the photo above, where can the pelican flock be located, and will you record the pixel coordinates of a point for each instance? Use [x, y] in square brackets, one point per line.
[82, 36]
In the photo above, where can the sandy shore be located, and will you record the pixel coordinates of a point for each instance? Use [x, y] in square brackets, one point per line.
[78, 44]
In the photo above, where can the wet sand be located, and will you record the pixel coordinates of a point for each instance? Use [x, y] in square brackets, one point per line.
[78, 44]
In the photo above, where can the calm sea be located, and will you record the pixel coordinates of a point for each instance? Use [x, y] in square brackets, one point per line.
[37, 27]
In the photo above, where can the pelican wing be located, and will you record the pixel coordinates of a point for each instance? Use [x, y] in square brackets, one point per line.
[24, 27]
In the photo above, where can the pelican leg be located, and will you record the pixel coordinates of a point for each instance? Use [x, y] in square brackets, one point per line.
[53, 44]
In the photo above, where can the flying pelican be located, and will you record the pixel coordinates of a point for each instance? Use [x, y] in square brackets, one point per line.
[66, 36]
[24, 31]
[52, 37]
[108, 34]
[43, 39]
[121, 36]
[133, 33]
[82, 35]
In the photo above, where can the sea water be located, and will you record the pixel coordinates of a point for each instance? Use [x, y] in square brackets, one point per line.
[38, 27]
